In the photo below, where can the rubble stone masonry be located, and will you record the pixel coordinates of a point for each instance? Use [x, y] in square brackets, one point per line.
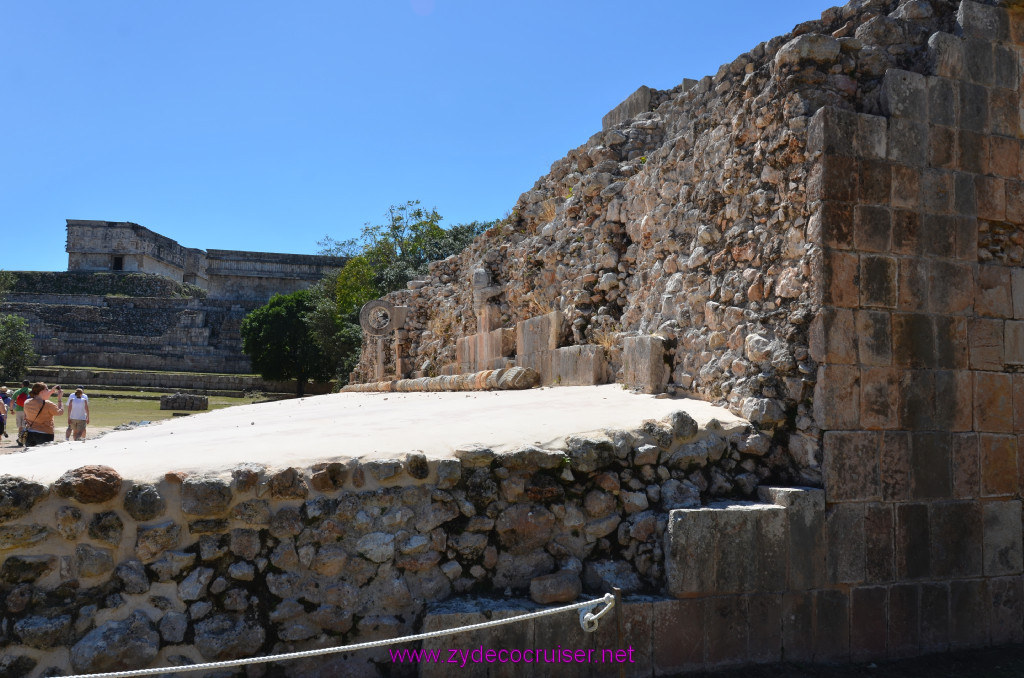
[825, 237]
[831, 228]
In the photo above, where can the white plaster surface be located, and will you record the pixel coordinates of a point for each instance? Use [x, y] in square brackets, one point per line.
[347, 425]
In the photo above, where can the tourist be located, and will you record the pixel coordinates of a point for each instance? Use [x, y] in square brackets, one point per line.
[39, 414]
[5, 398]
[78, 414]
[18, 398]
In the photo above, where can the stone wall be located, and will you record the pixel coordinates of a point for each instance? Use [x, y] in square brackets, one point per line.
[168, 308]
[154, 333]
[72, 283]
[917, 340]
[184, 401]
[261, 275]
[690, 222]
[97, 571]
[830, 227]
[698, 223]
[139, 321]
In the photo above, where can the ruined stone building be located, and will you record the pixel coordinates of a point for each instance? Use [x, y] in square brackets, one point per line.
[826, 237]
[132, 298]
[223, 274]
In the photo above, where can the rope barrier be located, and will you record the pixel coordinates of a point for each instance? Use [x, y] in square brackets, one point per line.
[588, 620]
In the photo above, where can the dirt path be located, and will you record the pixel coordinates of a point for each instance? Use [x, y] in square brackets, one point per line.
[9, 445]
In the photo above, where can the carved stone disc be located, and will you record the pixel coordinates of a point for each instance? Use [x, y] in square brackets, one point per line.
[377, 317]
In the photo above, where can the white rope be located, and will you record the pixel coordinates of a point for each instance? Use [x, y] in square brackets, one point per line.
[588, 620]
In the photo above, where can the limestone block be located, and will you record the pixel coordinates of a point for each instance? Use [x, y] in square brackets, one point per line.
[832, 130]
[539, 334]
[492, 347]
[677, 635]
[832, 625]
[558, 587]
[184, 401]
[805, 509]
[905, 94]
[946, 52]
[1006, 595]
[485, 351]
[643, 363]
[465, 354]
[539, 363]
[969, 613]
[983, 21]
[739, 547]
[904, 626]
[851, 466]
[1003, 548]
[577, 366]
[462, 612]
[636, 103]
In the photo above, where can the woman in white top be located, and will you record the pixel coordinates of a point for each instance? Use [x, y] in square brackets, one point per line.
[78, 415]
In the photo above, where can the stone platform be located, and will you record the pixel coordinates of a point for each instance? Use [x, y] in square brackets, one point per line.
[333, 519]
[302, 432]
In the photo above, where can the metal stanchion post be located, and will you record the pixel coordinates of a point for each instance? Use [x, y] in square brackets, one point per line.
[617, 592]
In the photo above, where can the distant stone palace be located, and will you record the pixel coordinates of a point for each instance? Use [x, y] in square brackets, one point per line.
[95, 246]
[134, 299]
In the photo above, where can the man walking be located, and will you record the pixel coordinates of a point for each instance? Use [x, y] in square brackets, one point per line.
[78, 414]
[18, 398]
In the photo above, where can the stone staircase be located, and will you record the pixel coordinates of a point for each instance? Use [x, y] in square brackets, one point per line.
[146, 333]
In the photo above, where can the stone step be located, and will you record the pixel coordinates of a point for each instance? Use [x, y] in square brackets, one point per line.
[743, 547]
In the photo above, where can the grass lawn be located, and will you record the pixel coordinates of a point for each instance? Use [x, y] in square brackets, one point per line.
[108, 412]
[112, 411]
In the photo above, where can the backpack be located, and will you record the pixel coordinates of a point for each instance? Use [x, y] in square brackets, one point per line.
[20, 402]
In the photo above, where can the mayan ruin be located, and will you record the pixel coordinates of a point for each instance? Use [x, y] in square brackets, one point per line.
[132, 298]
[751, 357]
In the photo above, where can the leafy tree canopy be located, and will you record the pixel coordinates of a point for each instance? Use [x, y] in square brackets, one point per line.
[6, 283]
[337, 334]
[278, 341]
[16, 352]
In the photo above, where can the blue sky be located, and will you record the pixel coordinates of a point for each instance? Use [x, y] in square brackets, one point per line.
[266, 125]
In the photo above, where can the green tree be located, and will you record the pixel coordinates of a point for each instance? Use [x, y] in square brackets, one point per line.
[16, 352]
[387, 256]
[337, 334]
[382, 259]
[6, 284]
[278, 341]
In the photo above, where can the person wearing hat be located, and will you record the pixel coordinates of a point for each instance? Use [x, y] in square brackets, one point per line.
[78, 414]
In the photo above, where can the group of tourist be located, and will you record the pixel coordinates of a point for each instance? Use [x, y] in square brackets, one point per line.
[34, 413]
